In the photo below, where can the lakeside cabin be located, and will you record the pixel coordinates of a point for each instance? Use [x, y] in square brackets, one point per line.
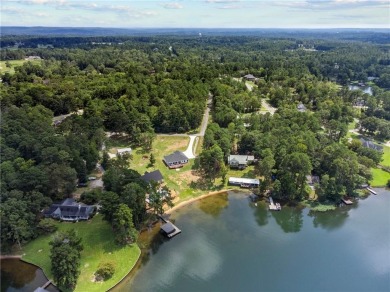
[175, 160]
[240, 161]
[69, 210]
[244, 182]
[152, 176]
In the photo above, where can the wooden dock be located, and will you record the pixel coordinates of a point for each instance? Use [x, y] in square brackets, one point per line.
[274, 206]
[346, 201]
[372, 191]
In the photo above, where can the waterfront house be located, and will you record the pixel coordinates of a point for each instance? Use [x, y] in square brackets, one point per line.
[250, 77]
[152, 176]
[240, 161]
[122, 151]
[301, 107]
[244, 182]
[371, 145]
[69, 210]
[176, 159]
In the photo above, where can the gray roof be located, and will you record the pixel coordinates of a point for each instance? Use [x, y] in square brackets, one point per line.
[301, 107]
[154, 175]
[168, 228]
[249, 76]
[372, 145]
[176, 156]
[69, 207]
[240, 159]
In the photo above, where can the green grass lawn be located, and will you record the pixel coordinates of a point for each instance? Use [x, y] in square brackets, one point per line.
[14, 63]
[99, 245]
[385, 157]
[380, 177]
[178, 180]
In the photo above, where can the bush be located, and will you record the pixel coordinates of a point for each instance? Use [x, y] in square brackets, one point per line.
[388, 183]
[47, 226]
[105, 271]
[91, 197]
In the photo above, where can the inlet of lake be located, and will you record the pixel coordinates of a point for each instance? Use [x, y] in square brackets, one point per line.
[230, 244]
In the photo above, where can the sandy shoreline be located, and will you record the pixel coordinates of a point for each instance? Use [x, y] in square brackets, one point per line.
[184, 203]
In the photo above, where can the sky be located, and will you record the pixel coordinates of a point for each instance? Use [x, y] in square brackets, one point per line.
[197, 13]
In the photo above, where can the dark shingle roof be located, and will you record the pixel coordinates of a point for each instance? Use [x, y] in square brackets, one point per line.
[168, 228]
[370, 144]
[175, 157]
[154, 175]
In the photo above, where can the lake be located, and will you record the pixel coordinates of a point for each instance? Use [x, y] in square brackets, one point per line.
[229, 244]
[17, 275]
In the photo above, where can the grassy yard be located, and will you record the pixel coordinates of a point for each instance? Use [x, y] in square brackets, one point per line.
[178, 180]
[386, 156]
[14, 63]
[380, 177]
[98, 241]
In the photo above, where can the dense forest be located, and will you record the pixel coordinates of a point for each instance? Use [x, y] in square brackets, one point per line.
[145, 85]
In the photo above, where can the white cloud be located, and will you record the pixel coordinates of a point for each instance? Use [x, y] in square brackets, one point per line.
[173, 5]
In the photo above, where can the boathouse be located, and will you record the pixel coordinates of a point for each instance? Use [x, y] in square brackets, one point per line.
[169, 230]
[244, 182]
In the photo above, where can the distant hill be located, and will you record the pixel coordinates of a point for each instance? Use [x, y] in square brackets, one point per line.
[99, 31]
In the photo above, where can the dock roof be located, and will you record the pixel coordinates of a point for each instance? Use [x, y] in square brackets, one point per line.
[168, 228]
[242, 180]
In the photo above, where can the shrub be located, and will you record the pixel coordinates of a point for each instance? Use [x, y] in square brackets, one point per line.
[105, 271]
[91, 197]
[47, 226]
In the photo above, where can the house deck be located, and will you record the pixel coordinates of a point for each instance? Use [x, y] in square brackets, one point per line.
[347, 202]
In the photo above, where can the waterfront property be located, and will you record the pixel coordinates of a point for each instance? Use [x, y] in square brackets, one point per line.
[274, 206]
[170, 230]
[69, 210]
[371, 145]
[153, 176]
[176, 159]
[244, 182]
[240, 161]
[250, 77]
[346, 201]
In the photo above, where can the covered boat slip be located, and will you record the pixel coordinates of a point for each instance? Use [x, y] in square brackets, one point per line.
[244, 182]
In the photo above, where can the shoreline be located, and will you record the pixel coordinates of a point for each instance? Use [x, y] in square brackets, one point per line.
[189, 201]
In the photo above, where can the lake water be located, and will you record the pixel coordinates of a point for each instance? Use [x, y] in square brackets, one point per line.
[20, 276]
[229, 244]
[365, 89]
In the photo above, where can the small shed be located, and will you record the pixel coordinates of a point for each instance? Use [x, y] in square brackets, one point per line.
[301, 107]
[250, 77]
[122, 151]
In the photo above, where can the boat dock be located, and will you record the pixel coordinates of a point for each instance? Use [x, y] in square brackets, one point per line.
[169, 229]
[371, 191]
[346, 201]
[274, 206]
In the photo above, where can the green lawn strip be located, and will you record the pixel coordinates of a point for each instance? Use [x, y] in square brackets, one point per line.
[380, 177]
[99, 245]
[386, 156]
[14, 63]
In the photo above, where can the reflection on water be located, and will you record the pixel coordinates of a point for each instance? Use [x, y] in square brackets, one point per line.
[17, 275]
[245, 247]
[214, 205]
[290, 220]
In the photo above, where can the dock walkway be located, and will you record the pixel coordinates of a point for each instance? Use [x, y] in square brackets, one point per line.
[371, 191]
[274, 206]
